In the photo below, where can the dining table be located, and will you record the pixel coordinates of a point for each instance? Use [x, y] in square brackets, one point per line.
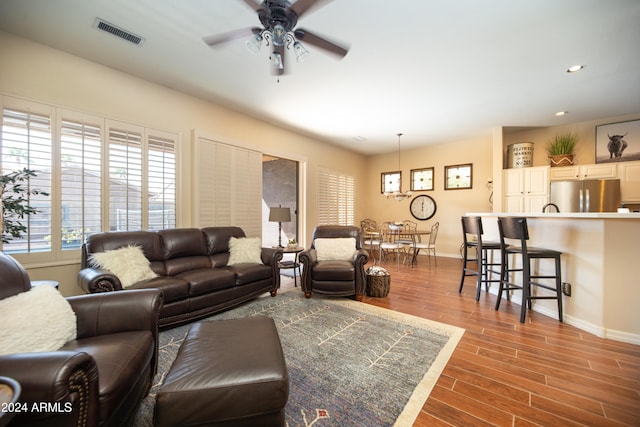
[400, 233]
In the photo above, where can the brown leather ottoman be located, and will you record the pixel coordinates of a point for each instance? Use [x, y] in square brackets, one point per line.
[226, 373]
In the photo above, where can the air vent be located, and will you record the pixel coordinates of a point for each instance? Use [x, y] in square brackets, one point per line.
[118, 32]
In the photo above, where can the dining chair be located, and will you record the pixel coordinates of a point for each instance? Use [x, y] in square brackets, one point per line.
[388, 242]
[430, 246]
[406, 239]
[371, 237]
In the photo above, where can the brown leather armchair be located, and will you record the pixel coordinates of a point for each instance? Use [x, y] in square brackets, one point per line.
[334, 277]
[99, 378]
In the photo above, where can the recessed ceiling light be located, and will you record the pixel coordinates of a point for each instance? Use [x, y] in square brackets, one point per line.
[575, 68]
[562, 113]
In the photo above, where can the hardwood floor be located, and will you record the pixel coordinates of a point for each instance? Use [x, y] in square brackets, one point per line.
[504, 373]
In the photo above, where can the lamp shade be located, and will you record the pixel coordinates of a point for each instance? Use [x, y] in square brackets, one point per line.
[280, 214]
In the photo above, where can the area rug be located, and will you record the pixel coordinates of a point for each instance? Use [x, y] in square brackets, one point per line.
[349, 363]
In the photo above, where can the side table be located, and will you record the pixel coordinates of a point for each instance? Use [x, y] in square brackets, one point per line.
[53, 283]
[287, 265]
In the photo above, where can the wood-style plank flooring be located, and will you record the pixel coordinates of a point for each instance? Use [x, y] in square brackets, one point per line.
[504, 373]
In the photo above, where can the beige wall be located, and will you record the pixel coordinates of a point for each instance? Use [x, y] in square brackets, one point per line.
[47, 75]
[585, 152]
[451, 204]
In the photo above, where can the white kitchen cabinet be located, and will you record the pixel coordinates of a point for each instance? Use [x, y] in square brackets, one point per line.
[596, 171]
[525, 189]
[629, 174]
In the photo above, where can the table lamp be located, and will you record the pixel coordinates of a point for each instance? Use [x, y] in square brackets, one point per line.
[279, 215]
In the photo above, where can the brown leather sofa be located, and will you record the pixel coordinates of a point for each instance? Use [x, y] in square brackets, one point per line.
[192, 269]
[99, 378]
[335, 277]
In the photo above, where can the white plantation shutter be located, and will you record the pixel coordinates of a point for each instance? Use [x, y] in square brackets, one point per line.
[100, 175]
[227, 186]
[336, 197]
[125, 179]
[26, 143]
[161, 176]
[80, 180]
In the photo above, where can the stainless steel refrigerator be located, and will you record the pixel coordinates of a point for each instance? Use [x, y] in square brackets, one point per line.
[589, 195]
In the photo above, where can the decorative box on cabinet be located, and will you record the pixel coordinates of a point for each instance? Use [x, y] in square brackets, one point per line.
[629, 174]
[597, 171]
[526, 189]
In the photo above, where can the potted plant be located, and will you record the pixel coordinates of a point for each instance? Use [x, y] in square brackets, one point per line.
[560, 149]
[293, 243]
[15, 192]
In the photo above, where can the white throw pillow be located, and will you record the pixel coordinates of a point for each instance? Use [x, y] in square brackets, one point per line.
[245, 250]
[128, 263]
[34, 321]
[340, 248]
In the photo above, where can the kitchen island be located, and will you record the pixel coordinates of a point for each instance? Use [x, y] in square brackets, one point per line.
[600, 260]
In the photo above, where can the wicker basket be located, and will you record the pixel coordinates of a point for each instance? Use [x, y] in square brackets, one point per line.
[378, 286]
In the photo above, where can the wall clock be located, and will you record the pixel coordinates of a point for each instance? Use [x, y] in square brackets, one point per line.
[423, 207]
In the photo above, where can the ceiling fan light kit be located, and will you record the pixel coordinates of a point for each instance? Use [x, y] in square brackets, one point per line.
[279, 18]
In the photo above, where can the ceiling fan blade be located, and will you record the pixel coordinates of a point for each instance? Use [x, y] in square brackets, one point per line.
[302, 6]
[274, 70]
[217, 39]
[253, 5]
[321, 42]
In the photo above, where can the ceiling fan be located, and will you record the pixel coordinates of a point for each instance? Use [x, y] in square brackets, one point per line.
[279, 19]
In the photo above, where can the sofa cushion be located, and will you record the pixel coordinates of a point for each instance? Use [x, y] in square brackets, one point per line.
[149, 241]
[341, 248]
[207, 280]
[249, 273]
[37, 320]
[334, 270]
[245, 250]
[175, 266]
[173, 288]
[122, 358]
[217, 238]
[182, 242]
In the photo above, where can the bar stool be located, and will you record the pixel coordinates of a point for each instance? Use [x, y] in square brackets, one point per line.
[472, 226]
[515, 228]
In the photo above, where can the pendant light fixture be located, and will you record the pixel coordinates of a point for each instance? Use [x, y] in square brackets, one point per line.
[398, 195]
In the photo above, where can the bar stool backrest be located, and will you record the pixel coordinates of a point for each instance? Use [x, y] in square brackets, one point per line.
[471, 226]
[513, 228]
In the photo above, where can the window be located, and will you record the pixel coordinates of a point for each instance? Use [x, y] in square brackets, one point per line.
[80, 181]
[162, 182]
[336, 198]
[26, 143]
[100, 175]
[421, 179]
[390, 182]
[125, 179]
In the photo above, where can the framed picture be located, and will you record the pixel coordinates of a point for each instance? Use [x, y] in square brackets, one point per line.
[422, 179]
[390, 181]
[458, 177]
[618, 142]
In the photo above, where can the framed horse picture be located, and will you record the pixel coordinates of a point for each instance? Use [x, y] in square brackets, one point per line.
[618, 142]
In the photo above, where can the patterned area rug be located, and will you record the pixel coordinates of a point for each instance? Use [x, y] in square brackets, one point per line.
[349, 363]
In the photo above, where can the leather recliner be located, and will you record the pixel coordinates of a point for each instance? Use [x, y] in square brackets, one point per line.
[335, 277]
[99, 378]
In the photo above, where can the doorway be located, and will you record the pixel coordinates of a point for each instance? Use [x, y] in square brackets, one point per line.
[279, 189]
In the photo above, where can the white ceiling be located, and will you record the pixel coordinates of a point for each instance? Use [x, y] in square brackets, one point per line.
[435, 70]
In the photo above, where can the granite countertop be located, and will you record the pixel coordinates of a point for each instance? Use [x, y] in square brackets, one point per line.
[575, 215]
